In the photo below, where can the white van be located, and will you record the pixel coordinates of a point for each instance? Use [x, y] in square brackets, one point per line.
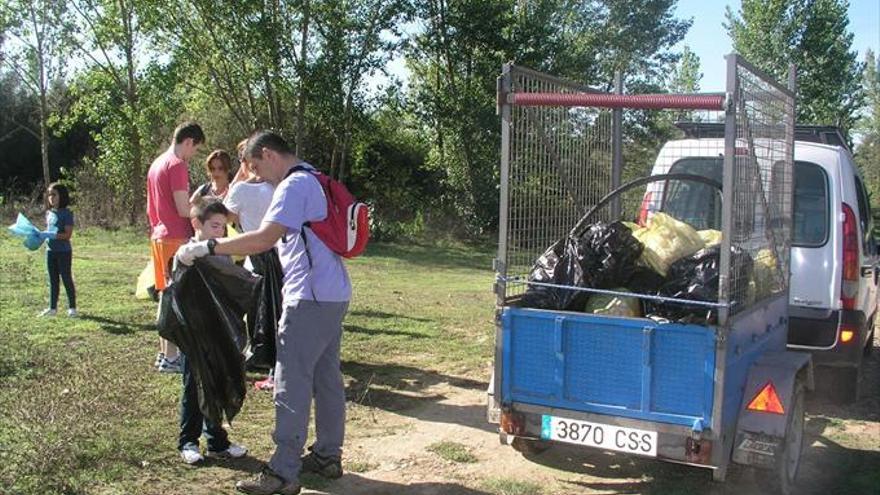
[834, 257]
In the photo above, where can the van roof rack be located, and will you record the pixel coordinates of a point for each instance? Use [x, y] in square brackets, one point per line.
[824, 134]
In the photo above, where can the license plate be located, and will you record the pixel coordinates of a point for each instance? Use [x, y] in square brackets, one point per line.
[607, 437]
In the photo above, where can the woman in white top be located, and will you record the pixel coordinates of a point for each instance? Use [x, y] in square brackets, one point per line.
[247, 201]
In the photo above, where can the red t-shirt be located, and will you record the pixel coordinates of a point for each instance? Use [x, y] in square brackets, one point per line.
[167, 174]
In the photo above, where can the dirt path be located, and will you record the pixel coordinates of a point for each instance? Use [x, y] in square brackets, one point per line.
[390, 448]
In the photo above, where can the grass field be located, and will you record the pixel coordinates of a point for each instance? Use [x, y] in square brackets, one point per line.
[82, 411]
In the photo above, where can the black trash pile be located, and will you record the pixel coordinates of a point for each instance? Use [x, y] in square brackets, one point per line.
[611, 257]
[262, 319]
[202, 311]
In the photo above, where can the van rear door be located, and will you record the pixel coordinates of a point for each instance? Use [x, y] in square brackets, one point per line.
[813, 252]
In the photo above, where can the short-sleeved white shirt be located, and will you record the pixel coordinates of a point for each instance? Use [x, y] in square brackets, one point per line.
[250, 201]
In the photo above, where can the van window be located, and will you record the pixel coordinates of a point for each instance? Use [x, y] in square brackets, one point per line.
[693, 202]
[864, 215]
[810, 199]
[810, 205]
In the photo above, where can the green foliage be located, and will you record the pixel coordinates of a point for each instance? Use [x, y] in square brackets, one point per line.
[868, 151]
[456, 58]
[813, 35]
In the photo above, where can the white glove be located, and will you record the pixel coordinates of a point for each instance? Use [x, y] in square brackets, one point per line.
[188, 253]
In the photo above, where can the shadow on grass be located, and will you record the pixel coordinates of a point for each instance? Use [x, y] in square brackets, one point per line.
[359, 485]
[467, 257]
[369, 313]
[118, 327]
[826, 467]
[383, 331]
[406, 390]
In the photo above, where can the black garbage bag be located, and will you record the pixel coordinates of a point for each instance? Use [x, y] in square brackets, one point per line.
[644, 280]
[202, 312]
[610, 253]
[696, 278]
[560, 265]
[262, 319]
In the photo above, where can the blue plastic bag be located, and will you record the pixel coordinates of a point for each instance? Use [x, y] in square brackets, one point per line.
[33, 237]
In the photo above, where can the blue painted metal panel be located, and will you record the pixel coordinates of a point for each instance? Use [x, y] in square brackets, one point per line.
[753, 333]
[626, 367]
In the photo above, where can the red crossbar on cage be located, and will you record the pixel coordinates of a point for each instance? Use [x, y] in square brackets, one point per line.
[652, 102]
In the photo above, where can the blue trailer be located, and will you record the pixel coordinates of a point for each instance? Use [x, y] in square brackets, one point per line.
[720, 387]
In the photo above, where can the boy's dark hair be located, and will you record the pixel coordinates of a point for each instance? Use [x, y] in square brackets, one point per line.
[266, 139]
[207, 206]
[189, 130]
[63, 194]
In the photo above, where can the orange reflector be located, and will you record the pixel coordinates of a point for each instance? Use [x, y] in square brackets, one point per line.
[846, 335]
[767, 401]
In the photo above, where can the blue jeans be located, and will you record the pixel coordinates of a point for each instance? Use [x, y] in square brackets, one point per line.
[192, 423]
[59, 265]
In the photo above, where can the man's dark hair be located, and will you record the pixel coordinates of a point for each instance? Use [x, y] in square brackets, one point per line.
[266, 139]
[62, 192]
[207, 206]
[189, 130]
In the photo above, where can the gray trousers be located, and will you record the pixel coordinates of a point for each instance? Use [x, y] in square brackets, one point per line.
[307, 362]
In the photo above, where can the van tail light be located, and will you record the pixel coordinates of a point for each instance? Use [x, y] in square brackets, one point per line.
[846, 335]
[767, 400]
[849, 286]
[644, 210]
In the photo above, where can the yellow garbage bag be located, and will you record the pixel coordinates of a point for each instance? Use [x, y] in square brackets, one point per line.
[765, 273]
[231, 232]
[710, 237]
[606, 304]
[145, 280]
[666, 241]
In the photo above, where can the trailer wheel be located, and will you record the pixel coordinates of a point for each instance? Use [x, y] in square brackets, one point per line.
[528, 446]
[788, 463]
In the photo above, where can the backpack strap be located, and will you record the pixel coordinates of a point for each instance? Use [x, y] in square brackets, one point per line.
[302, 233]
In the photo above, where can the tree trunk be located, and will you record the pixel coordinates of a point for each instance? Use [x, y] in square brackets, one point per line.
[131, 96]
[44, 105]
[301, 104]
[44, 136]
[346, 138]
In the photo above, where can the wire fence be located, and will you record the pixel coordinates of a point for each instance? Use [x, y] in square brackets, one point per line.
[560, 164]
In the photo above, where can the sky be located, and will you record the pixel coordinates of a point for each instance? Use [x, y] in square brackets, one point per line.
[708, 39]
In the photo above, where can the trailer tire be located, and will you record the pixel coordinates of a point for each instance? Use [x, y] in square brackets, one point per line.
[785, 473]
[529, 446]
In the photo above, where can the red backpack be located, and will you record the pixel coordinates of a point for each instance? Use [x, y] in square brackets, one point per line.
[346, 228]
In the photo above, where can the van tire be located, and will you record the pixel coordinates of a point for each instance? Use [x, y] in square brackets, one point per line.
[844, 383]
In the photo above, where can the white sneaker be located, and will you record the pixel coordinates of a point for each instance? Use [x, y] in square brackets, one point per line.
[170, 366]
[159, 358]
[232, 452]
[47, 312]
[71, 313]
[191, 455]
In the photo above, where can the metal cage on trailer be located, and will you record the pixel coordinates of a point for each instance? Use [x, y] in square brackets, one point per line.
[703, 392]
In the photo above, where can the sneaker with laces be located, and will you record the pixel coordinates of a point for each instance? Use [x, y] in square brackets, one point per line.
[268, 483]
[170, 366]
[159, 358]
[191, 455]
[71, 313]
[326, 467]
[232, 452]
[47, 312]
